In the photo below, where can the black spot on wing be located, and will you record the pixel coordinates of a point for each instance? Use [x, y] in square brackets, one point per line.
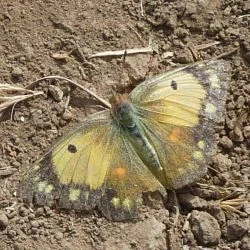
[72, 148]
[173, 85]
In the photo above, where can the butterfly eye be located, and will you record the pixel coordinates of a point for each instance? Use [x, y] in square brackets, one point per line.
[173, 85]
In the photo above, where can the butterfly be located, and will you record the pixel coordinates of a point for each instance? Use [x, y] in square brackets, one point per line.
[158, 137]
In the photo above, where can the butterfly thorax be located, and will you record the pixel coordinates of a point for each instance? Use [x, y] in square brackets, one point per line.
[124, 114]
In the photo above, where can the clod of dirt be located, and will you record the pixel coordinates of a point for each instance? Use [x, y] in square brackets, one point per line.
[67, 115]
[217, 213]
[184, 57]
[34, 224]
[58, 235]
[236, 135]
[4, 221]
[137, 67]
[205, 228]
[236, 229]
[17, 73]
[245, 242]
[226, 143]
[246, 131]
[56, 92]
[12, 233]
[246, 50]
[148, 234]
[191, 202]
[247, 204]
[240, 101]
[221, 162]
[206, 193]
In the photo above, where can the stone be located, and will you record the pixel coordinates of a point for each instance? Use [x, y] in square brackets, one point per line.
[17, 72]
[191, 8]
[226, 142]
[215, 27]
[11, 233]
[227, 11]
[137, 67]
[184, 57]
[245, 243]
[232, 31]
[205, 228]
[147, 234]
[67, 115]
[190, 201]
[236, 229]
[4, 221]
[247, 87]
[236, 135]
[216, 211]
[172, 22]
[56, 92]
[246, 131]
[59, 235]
[34, 224]
[240, 101]
[221, 162]
[39, 212]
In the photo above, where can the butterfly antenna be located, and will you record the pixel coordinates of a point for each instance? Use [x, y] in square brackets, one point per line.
[123, 65]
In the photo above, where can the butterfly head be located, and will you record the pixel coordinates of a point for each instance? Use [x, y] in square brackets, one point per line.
[122, 110]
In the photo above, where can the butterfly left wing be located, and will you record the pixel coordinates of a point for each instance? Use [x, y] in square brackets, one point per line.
[92, 166]
[177, 111]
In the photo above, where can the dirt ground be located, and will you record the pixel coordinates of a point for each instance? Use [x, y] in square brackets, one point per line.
[41, 38]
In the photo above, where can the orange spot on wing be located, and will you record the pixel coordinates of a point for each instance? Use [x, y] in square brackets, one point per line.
[119, 171]
[175, 135]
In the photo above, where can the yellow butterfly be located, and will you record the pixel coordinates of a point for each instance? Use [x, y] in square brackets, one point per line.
[158, 137]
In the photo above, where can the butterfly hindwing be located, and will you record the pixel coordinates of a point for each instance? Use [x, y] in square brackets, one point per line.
[92, 166]
[177, 111]
[127, 179]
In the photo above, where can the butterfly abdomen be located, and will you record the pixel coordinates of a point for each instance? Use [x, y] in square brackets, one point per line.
[125, 115]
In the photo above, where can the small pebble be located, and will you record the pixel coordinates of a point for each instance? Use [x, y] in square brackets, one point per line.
[246, 131]
[11, 233]
[205, 228]
[58, 235]
[191, 201]
[226, 142]
[4, 221]
[56, 92]
[17, 72]
[34, 223]
[236, 229]
[67, 115]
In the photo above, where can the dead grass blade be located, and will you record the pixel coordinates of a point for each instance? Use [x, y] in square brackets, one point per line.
[8, 98]
[233, 200]
[104, 102]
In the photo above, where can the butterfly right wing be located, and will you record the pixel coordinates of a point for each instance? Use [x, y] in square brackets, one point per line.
[178, 111]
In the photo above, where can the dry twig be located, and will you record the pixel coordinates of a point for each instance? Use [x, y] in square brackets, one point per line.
[226, 54]
[207, 45]
[104, 102]
[141, 5]
[122, 52]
